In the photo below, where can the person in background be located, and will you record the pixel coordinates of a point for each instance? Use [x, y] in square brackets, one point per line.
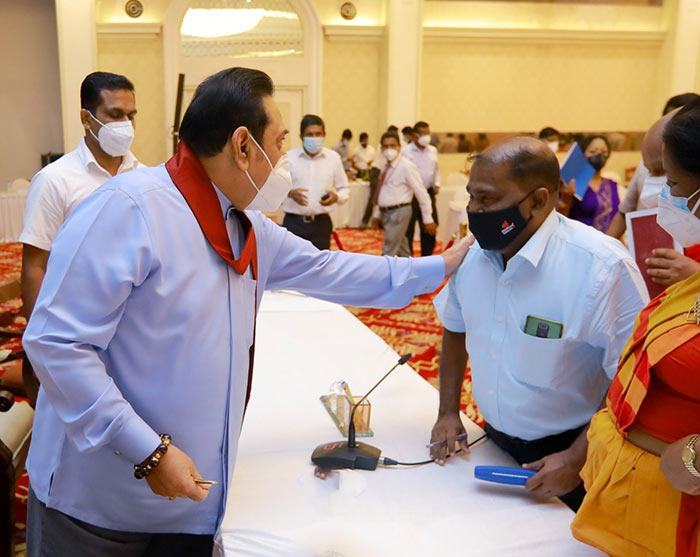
[107, 112]
[463, 144]
[375, 169]
[601, 200]
[643, 193]
[409, 136]
[642, 474]
[343, 149]
[541, 307]
[362, 156]
[551, 137]
[449, 144]
[425, 157]
[398, 182]
[318, 183]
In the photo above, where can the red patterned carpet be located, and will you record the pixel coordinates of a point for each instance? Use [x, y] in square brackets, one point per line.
[413, 329]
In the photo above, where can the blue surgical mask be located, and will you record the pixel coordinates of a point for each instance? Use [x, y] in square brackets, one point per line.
[313, 144]
[677, 219]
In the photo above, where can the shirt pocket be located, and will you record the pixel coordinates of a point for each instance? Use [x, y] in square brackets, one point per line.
[540, 360]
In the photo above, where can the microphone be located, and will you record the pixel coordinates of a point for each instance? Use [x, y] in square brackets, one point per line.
[351, 454]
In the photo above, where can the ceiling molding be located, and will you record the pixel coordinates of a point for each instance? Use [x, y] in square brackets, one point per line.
[354, 32]
[543, 36]
[129, 30]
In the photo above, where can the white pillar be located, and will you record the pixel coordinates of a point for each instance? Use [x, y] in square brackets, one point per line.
[77, 56]
[404, 60]
[684, 63]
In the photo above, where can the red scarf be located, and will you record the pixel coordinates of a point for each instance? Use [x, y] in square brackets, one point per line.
[190, 178]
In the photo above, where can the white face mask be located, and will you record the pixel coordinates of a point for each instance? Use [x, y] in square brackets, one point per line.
[676, 219]
[553, 145]
[390, 154]
[114, 137]
[271, 194]
[649, 197]
[424, 140]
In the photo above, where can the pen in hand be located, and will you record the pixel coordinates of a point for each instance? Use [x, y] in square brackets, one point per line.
[458, 438]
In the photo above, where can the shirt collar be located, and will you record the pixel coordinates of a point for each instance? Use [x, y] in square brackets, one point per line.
[535, 246]
[225, 202]
[129, 161]
[320, 154]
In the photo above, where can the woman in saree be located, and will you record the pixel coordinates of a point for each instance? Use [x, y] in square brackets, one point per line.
[642, 474]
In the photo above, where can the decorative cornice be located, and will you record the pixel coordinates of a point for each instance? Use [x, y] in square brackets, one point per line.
[129, 30]
[543, 36]
[354, 32]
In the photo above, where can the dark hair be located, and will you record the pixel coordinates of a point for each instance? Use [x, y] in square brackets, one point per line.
[407, 130]
[222, 103]
[528, 165]
[363, 135]
[586, 141]
[682, 137]
[92, 86]
[347, 134]
[547, 132]
[392, 128]
[420, 124]
[311, 120]
[679, 100]
[387, 135]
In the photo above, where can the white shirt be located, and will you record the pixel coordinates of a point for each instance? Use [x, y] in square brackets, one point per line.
[401, 181]
[363, 156]
[426, 160]
[58, 187]
[530, 387]
[141, 328]
[633, 197]
[319, 175]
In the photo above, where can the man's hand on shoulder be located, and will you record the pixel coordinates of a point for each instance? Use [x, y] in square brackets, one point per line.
[174, 477]
[453, 256]
[557, 474]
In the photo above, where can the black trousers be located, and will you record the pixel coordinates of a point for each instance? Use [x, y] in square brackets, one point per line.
[427, 241]
[316, 230]
[529, 451]
[51, 533]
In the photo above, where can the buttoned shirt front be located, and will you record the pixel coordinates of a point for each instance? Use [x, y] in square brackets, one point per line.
[426, 160]
[531, 387]
[343, 149]
[58, 188]
[319, 175]
[363, 156]
[140, 328]
[401, 181]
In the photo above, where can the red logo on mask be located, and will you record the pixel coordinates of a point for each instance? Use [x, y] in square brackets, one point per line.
[505, 224]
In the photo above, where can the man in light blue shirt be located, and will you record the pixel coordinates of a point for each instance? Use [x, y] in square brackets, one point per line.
[543, 306]
[143, 332]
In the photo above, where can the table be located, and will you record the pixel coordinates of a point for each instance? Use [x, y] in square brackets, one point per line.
[350, 213]
[276, 506]
[11, 215]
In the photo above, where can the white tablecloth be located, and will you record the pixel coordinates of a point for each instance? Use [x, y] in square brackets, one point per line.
[350, 213]
[276, 506]
[11, 215]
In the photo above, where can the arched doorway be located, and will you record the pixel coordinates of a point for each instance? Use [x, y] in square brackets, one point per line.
[280, 37]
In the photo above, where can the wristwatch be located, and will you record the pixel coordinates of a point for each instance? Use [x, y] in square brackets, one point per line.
[688, 455]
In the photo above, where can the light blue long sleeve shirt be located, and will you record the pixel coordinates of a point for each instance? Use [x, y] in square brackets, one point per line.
[140, 328]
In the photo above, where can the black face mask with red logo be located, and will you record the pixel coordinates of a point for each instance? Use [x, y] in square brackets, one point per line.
[495, 230]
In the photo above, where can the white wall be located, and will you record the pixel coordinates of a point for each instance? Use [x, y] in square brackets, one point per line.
[30, 110]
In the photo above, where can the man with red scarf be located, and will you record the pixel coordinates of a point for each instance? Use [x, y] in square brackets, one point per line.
[143, 334]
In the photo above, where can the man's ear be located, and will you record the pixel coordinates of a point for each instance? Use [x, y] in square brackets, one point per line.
[85, 118]
[540, 199]
[241, 148]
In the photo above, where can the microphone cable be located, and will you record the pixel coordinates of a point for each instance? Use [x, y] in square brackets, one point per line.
[385, 461]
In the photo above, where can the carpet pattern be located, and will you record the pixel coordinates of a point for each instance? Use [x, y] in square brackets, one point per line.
[415, 329]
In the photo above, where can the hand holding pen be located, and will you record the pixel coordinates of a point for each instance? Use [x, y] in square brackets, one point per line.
[447, 432]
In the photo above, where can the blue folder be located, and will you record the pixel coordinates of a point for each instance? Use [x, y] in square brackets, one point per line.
[577, 167]
[503, 474]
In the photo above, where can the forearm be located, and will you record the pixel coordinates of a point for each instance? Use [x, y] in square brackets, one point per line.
[33, 271]
[617, 226]
[453, 362]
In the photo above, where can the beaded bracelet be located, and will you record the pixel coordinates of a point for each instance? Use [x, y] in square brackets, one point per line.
[144, 469]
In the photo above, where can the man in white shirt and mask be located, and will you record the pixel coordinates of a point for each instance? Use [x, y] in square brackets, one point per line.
[318, 183]
[398, 182]
[108, 109]
[425, 157]
[363, 155]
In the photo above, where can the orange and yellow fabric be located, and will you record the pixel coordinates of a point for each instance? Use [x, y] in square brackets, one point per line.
[630, 508]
